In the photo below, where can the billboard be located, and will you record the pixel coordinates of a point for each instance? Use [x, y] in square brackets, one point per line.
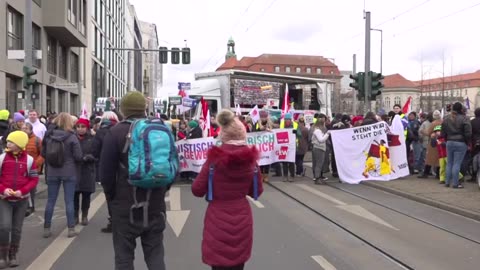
[251, 92]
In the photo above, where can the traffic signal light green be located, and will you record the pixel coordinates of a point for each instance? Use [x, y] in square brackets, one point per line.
[175, 56]
[358, 84]
[377, 84]
[163, 55]
[186, 56]
[27, 77]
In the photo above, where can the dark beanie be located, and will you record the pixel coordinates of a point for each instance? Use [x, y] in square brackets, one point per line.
[133, 103]
[458, 107]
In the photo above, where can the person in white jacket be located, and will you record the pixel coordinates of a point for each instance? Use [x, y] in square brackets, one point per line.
[319, 138]
[39, 129]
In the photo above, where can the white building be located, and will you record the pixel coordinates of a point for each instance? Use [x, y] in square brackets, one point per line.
[152, 69]
[133, 39]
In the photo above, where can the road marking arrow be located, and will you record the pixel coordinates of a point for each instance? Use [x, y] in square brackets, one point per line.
[176, 217]
[353, 209]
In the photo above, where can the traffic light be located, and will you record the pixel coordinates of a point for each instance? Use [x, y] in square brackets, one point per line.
[358, 84]
[186, 56]
[175, 56]
[163, 55]
[27, 77]
[377, 84]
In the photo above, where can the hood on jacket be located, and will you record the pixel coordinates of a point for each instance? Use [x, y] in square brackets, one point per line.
[230, 154]
[60, 135]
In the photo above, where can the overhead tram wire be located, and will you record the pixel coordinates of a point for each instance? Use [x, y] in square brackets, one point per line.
[235, 26]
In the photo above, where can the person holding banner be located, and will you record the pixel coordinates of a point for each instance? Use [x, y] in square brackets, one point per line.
[289, 167]
[265, 124]
[319, 138]
[230, 173]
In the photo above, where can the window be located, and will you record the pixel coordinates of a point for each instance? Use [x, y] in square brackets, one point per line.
[74, 67]
[262, 70]
[308, 70]
[386, 102]
[331, 72]
[52, 56]
[14, 30]
[277, 69]
[62, 62]
[319, 71]
[72, 12]
[298, 70]
[36, 45]
[397, 100]
[287, 69]
[82, 17]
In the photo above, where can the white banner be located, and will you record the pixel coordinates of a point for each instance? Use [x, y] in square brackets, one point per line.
[367, 153]
[275, 146]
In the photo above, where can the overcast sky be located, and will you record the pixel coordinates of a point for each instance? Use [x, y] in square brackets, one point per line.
[412, 30]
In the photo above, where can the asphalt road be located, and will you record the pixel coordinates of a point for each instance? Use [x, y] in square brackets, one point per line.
[290, 233]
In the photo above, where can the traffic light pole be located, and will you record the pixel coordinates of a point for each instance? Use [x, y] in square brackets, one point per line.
[354, 71]
[27, 46]
[368, 85]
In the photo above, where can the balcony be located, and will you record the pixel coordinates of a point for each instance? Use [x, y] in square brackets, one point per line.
[64, 23]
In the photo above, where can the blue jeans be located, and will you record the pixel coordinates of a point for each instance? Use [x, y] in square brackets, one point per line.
[455, 154]
[11, 222]
[417, 154]
[54, 183]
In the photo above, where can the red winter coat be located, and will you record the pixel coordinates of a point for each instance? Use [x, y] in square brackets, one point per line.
[15, 175]
[228, 229]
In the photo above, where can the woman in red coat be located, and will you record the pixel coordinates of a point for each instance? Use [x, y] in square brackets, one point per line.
[228, 231]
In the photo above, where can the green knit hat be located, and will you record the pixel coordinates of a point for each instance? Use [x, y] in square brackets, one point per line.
[193, 124]
[133, 103]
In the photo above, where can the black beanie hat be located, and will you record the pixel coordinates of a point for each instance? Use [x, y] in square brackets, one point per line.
[133, 103]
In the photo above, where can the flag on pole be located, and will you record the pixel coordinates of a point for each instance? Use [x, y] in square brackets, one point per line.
[286, 101]
[255, 114]
[467, 103]
[407, 107]
[207, 126]
[84, 113]
[443, 113]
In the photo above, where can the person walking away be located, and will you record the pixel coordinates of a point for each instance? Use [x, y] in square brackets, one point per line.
[264, 124]
[61, 151]
[432, 158]
[457, 130]
[4, 124]
[85, 171]
[34, 149]
[108, 120]
[425, 141]
[288, 167]
[302, 146]
[120, 195]
[319, 138]
[39, 128]
[19, 177]
[231, 168]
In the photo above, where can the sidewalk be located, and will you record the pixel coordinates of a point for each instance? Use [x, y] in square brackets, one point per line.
[41, 186]
[465, 202]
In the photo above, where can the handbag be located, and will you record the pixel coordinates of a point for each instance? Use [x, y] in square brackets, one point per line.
[209, 197]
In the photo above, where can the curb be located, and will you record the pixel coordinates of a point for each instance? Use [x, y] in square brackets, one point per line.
[440, 205]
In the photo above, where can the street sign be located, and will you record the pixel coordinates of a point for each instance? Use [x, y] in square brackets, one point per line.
[189, 102]
[66, 86]
[184, 86]
[175, 100]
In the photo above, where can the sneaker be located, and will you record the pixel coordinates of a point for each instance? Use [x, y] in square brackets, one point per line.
[47, 233]
[71, 233]
[324, 178]
[457, 186]
[107, 229]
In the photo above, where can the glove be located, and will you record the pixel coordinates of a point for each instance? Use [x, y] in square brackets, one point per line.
[89, 158]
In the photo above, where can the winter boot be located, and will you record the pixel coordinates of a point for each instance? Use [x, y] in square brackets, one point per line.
[84, 218]
[108, 228]
[12, 256]
[71, 233]
[3, 257]
[47, 232]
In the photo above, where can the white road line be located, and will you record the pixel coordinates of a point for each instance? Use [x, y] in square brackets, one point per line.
[174, 198]
[323, 263]
[51, 254]
[256, 203]
[321, 194]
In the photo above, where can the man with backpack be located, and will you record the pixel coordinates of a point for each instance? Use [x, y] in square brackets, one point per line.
[137, 202]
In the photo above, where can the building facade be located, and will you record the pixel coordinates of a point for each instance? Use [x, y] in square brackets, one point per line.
[135, 58]
[59, 31]
[398, 90]
[152, 69]
[300, 65]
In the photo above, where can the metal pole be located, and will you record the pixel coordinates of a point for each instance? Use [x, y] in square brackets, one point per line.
[27, 46]
[381, 51]
[354, 71]
[368, 89]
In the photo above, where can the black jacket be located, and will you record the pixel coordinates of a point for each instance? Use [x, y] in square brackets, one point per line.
[86, 168]
[72, 152]
[195, 133]
[475, 130]
[114, 178]
[3, 127]
[457, 128]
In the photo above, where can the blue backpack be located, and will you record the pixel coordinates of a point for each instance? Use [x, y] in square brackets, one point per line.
[152, 160]
[152, 155]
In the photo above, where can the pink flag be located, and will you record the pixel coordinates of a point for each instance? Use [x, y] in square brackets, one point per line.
[84, 113]
[286, 101]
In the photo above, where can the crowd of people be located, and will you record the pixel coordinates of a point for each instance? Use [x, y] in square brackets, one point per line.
[76, 152]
